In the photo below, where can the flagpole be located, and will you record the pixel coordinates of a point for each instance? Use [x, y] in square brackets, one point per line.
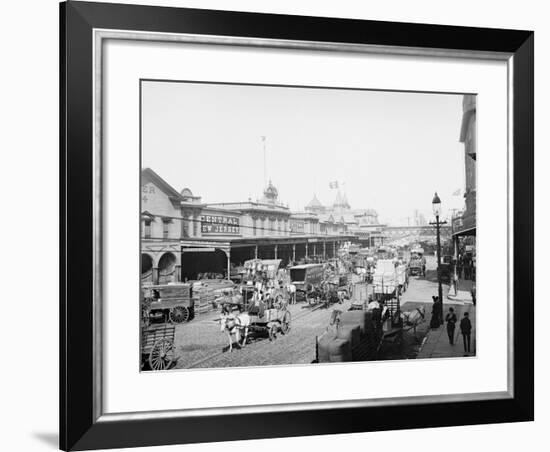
[265, 165]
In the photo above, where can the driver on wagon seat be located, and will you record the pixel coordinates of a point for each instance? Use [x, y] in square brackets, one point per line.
[257, 306]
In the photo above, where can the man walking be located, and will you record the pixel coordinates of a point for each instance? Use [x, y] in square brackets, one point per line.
[466, 330]
[451, 320]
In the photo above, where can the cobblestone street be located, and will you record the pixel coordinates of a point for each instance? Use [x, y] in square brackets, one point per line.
[201, 344]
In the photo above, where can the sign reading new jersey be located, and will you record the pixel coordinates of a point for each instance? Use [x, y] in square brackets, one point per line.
[218, 224]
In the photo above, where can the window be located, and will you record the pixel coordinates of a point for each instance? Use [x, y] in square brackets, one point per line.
[254, 226]
[165, 229]
[147, 229]
[195, 226]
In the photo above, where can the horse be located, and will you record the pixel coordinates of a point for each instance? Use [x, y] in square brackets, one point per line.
[413, 318]
[236, 325]
[335, 317]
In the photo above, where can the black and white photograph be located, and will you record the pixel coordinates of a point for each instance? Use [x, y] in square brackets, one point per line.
[304, 225]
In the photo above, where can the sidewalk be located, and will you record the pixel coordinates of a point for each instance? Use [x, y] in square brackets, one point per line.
[436, 344]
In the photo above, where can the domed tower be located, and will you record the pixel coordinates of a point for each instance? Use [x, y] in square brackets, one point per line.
[187, 196]
[372, 216]
[315, 206]
[270, 194]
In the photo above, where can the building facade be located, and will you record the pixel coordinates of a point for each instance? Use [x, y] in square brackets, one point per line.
[182, 236]
[339, 217]
[464, 223]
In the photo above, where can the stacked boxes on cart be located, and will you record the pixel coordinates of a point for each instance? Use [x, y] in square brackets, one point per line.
[204, 293]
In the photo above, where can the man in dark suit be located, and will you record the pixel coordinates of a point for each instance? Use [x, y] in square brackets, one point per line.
[466, 330]
[451, 319]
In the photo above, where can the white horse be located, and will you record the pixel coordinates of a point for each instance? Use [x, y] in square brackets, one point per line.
[413, 318]
[235, 325]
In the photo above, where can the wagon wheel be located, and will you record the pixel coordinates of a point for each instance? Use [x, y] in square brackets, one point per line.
[179, 314]
[162, 354]
[285, 324]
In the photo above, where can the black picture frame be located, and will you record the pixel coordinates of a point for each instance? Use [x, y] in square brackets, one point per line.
[80, 427]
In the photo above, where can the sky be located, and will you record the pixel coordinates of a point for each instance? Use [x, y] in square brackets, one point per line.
[389, 151]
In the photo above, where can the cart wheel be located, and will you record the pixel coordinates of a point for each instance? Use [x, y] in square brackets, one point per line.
[285, 324]
[179, 314]
[162, 355]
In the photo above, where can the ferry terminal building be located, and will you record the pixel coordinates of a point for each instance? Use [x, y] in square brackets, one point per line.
[181, 236]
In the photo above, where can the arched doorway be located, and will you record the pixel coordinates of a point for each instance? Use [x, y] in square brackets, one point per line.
[167, 268]
[204, 264]
[146, 269]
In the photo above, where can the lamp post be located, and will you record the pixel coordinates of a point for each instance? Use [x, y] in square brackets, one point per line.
[436, 204]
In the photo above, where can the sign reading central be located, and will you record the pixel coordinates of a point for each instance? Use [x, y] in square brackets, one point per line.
[218, 224]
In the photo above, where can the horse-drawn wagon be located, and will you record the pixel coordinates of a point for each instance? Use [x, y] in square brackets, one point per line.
[327, 293]
[262, 317]
[306, 278]
[259, 305]
[417, 262]
[388, 280]
[171, 302]
[276, 317]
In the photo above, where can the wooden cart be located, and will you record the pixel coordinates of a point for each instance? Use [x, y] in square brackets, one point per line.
[170, 302]
[272, 321]
[157, 346]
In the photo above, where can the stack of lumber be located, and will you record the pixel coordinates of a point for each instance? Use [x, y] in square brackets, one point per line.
[206, 291]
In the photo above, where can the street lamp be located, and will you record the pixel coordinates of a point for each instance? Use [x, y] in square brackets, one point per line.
[436, 205]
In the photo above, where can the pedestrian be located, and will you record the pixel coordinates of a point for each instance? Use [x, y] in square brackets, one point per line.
[434, 322]
[292, 293]
[467, 268]
[451, 320]
[459, 266]
[466, 330]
